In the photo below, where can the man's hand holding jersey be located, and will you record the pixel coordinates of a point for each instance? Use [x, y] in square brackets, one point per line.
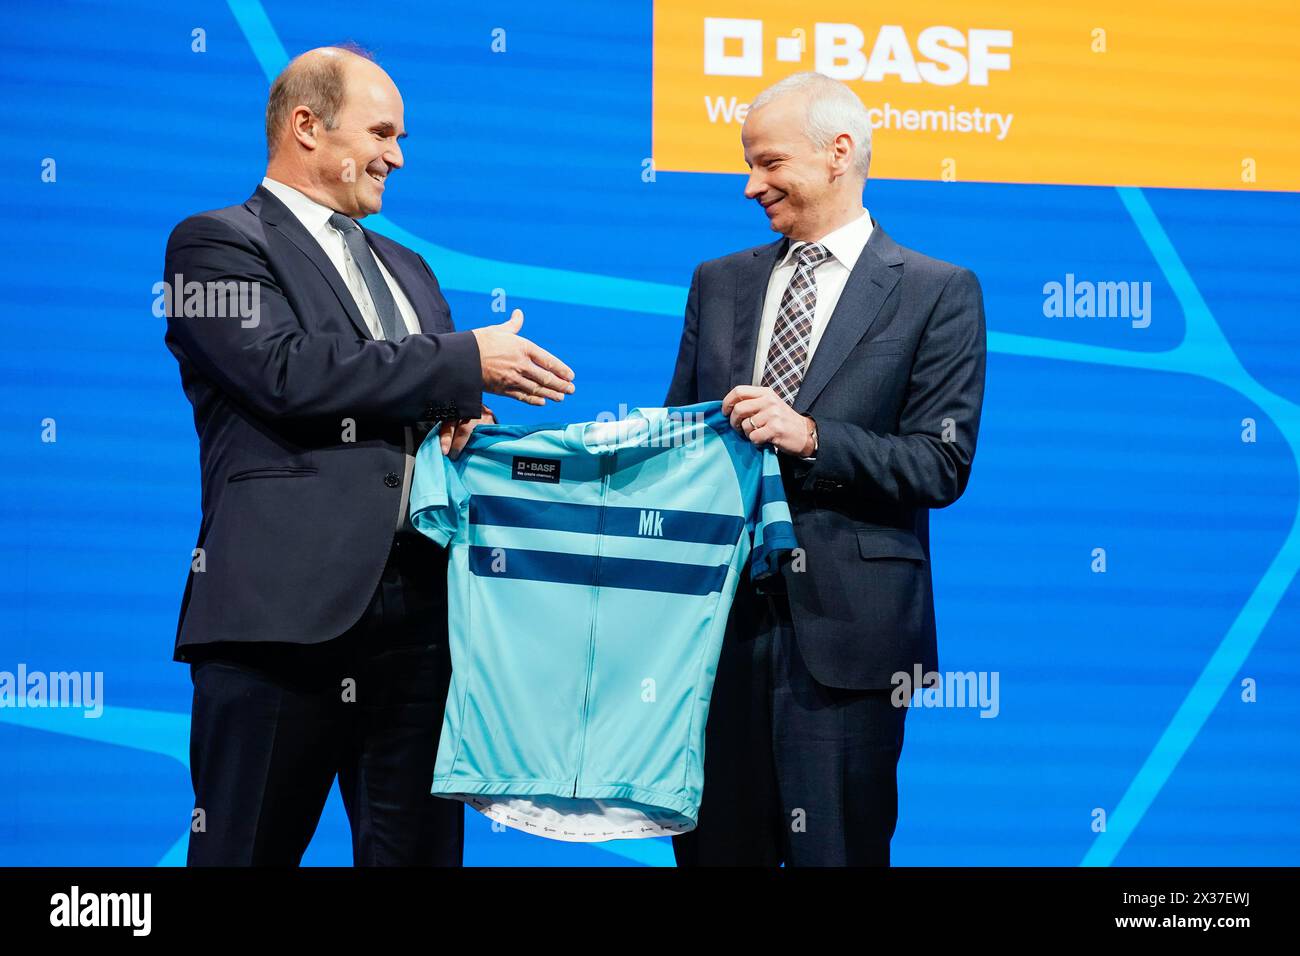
[764, 419]
[453, 435]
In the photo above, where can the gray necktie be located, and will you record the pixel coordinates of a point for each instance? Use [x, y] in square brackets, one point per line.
[380, 294]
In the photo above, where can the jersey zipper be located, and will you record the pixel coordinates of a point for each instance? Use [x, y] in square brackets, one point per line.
[606, 463]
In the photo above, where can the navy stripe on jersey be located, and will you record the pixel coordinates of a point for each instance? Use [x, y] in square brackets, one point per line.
[778, 538]
[630, 573]
[693, 526]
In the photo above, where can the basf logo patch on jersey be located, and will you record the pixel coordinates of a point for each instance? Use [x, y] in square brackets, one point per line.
[536, 469]
[1072, 93]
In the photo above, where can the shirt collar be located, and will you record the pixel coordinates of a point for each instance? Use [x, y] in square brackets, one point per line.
[845, 243]
[308, 211]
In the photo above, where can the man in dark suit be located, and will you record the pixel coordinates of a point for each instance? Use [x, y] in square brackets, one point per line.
[315, 353]
[862, 362]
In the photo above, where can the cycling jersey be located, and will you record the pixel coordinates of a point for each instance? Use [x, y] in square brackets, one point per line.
[591, 569]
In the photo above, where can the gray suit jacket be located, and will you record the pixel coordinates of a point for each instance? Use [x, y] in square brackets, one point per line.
[896, 386]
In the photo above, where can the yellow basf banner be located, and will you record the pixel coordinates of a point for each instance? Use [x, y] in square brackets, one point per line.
[1146, 93]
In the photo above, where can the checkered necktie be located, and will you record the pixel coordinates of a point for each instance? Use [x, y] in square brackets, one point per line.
[788, 353]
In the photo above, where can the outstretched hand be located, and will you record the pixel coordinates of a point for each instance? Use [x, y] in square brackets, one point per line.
[519, 369]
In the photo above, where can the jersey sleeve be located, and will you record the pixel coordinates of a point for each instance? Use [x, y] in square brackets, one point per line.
[770, 524]
[438, 497]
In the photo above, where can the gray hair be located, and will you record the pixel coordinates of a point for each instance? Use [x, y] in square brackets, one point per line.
[314, 79]
[833, 109]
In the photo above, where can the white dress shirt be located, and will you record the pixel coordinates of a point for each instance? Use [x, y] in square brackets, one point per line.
[315, 219]
[845, 244]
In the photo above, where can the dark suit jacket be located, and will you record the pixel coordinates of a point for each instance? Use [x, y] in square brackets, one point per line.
[895, 385]
[297, 521]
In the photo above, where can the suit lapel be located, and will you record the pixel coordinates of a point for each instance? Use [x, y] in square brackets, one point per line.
[751, 288]
[277, 215]
[873, 277]
[417, 292]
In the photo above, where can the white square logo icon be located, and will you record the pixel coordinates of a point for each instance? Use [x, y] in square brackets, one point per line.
[733, 47]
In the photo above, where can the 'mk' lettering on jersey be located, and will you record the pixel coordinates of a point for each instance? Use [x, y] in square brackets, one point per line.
[591, 569]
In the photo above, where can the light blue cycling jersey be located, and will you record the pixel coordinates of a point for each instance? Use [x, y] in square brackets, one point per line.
[591, 569]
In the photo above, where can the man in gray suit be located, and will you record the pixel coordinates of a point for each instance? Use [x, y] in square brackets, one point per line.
[862, 362]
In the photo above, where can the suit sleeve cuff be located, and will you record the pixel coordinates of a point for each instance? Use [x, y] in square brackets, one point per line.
[825, 472]
[457, 389]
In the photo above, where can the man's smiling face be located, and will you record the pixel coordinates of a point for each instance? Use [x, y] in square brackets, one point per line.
[356, 157]
[788, 176]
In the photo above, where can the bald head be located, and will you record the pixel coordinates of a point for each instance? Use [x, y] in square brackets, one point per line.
[333, 121]
[317, 80]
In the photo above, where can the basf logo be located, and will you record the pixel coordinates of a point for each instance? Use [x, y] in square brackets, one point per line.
[1014, 92]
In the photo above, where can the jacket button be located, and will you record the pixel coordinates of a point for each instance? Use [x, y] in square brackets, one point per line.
[391, 479]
